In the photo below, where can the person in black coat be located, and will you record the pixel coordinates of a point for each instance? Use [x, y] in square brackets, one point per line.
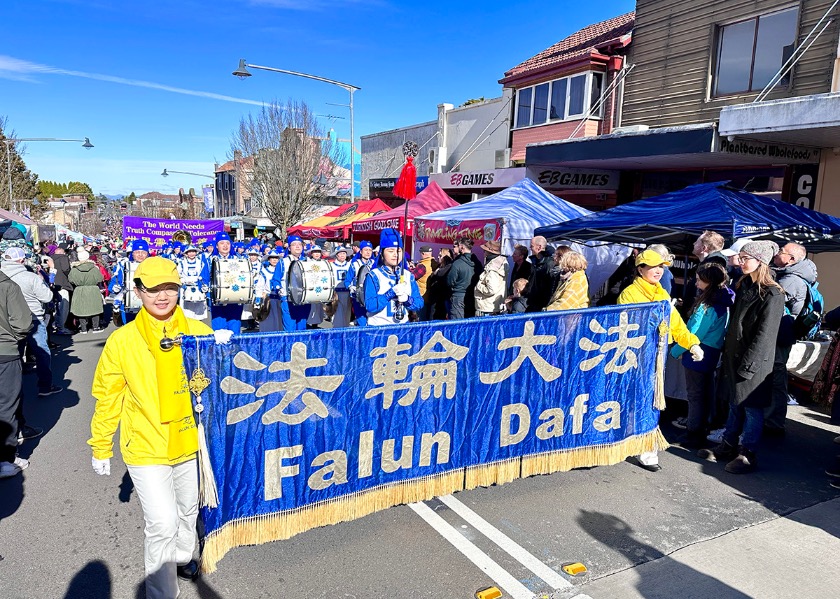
[748, 355]
[543, 278]
[521, 267]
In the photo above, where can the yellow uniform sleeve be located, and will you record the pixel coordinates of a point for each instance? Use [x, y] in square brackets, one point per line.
[109, 386]
[680, 332]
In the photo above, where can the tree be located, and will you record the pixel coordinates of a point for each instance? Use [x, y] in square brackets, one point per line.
[24, 182]
[294, 161]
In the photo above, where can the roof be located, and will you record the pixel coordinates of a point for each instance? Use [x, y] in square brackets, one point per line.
[579, 45]
[156, 195]
[431, 199]
[247, 163]
[337, 223]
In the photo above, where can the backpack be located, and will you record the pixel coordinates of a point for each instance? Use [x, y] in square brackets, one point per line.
[807, 324]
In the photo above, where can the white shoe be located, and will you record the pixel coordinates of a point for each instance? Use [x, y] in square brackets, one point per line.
[716, 436]
[9, 469]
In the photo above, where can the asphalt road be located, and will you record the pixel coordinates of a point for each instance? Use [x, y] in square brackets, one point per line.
[65, 532]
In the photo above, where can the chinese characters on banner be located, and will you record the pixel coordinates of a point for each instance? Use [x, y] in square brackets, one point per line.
[312, 428]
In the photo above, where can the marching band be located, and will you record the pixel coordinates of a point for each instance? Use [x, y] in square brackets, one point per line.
[263, 284]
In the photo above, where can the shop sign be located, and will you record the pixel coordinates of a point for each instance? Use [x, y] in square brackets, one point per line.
[447, 231]
[375, 226]
[782, 153]
[803, 185]
[500, 178]
[573, 178]
[388, 184]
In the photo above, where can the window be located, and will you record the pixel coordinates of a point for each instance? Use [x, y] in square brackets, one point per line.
[540, 104]
[523, 109]
[750, 52]
[558, 99]
[561, 99]
[577, 89]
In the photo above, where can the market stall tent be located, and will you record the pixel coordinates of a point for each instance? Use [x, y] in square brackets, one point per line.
[431, 199]
[337, 223]
[678, 218]
[510, 217]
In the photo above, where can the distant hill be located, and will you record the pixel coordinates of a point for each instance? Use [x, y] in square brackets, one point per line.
[114, 197]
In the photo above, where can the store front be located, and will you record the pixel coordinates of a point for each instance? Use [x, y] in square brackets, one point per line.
[465, 186]
[383, 189]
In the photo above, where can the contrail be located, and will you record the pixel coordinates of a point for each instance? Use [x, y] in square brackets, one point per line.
[19, 70]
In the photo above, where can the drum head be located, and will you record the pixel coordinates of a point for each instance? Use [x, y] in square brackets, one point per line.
[296, 283]
[215, 276]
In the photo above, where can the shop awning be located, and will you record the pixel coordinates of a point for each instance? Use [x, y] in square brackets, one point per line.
[678, 218]
[431, 199]
[338, 223]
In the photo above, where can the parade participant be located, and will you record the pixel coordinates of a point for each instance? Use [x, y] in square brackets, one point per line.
[342, 310]
[145, 393]
[390, 290]
[164, 250]
[117, 286]
[316, 312]
[15, 324]
[177, 251]
[228, 316]
[208, 248]
[194, 272]
[646, 288]
[294, 317]
[364, 259]
[268, 287]
[748, 354]
[239, 249]
[253, 254]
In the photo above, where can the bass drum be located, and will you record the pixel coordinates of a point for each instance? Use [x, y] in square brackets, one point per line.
[130, 299]
[311, 282]
[233, 282]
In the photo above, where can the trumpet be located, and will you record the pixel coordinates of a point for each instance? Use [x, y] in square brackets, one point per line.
[182, 237]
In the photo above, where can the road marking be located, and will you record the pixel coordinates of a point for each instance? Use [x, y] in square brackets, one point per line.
[500, 576]
[519, 553]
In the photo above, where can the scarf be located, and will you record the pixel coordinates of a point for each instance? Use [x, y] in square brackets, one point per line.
[173, 391]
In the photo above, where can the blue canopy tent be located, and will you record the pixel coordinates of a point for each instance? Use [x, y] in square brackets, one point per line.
[511, 216]
[678, 218]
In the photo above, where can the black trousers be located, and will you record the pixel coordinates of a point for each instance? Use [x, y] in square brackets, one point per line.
[11, 379]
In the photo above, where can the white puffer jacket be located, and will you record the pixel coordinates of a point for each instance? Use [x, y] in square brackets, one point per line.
[491, 286]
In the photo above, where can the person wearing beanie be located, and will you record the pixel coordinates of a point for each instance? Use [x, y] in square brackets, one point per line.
[748, 353]
[267, 289]
[316, 310]
[294, 316]
[86, 303]
[142, 389]
[226, 316]
[361, 264]
[650, 265]
[390, 290]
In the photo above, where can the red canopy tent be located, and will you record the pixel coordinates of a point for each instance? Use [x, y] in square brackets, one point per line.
[431, 199]
[336, 224]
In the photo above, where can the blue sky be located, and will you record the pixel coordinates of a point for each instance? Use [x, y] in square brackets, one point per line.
[150, 82]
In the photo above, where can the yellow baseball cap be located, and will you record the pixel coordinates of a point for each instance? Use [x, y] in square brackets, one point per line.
[156, 271]
[651, 258]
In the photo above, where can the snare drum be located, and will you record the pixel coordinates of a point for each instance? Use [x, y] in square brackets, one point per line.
[233, 281]
[311, 282]
[130, 299]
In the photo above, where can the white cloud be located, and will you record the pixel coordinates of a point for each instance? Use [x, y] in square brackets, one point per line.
[24, 70]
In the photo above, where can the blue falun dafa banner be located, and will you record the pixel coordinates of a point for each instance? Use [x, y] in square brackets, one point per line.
[318, 427]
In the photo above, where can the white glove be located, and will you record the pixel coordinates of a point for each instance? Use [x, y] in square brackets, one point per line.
[402, 291]
[101, 467]
[205, 289]
[696, 353]
[117, 288]
[222, 336]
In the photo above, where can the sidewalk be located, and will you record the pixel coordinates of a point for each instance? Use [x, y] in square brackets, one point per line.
[793, 556]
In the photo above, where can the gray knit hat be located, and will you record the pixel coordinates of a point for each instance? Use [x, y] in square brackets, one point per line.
[763, 251]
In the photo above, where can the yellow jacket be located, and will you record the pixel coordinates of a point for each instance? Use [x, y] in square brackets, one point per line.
[126, 394]
[642, 292]
[571, 294]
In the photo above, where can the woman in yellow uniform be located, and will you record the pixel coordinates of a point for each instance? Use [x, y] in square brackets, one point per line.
[142, 388]
[650, 266]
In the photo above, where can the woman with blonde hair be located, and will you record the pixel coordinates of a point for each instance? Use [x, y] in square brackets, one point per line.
[748, 354]
[572, 293]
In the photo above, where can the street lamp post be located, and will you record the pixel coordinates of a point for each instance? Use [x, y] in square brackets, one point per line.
[242, 72]
[166, 173]
[85, 144]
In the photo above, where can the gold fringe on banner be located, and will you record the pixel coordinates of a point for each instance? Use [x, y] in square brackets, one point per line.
[599, 455]
[659, 383]
[284, 525]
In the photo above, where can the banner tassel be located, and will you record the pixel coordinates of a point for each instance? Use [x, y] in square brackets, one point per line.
[659, 383]
[208, 495]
